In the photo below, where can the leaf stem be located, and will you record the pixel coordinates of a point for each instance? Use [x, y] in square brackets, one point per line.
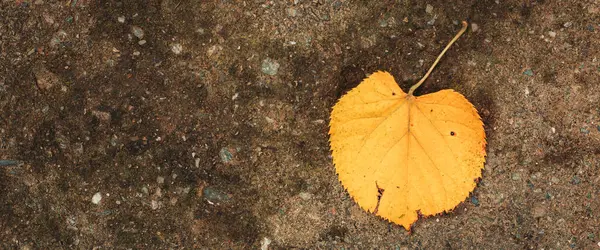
[414, 87]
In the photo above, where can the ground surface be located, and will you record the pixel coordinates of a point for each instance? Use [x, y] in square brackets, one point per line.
[204, 123]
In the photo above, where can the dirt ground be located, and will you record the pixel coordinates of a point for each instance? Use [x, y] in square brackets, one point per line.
[187, 124]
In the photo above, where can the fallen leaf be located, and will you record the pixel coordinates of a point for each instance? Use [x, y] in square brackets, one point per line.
[399, 155]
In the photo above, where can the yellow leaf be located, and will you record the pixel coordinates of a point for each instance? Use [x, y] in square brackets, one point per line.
[397, 154]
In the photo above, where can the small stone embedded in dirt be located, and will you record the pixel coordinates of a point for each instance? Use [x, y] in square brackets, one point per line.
[264, 243]
[160, 180]
[305, 195]
[568, 24]
[176, 48]
[539, 211]
[214, 196]
[528, 72]
[474, 27]
[475, 201]
[429, 9]
[121, 19]
[44, 78]
[137, 32]
[270, 67]
[101, 115]
[226, 155]
[97, 198]
[552, 34]
[142, 42]
[515, 176]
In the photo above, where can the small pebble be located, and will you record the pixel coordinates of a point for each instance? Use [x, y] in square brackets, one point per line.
[516, 176]
[429, 9]
[552, 34]
[142, 42]
[176, 48]
[97, 198]
[568, 24]
[270, 67]
[225, 155]
[136, 53]
[160, 180]
[474, 27]
[121, 19]
[264, 243]
[528, 72]
[213, 195]
[137, 32]
[305, 195]
[539, 211]
[154, 205]
[475, 201]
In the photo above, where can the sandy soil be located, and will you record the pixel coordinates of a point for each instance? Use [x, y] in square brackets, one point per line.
[185, 124]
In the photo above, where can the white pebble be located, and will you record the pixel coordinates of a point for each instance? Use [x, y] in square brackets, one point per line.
[265, 242]
[160, 180]
[176, 48]
[121, 19]
[97, 198]
[474, 27]
[552, 34]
